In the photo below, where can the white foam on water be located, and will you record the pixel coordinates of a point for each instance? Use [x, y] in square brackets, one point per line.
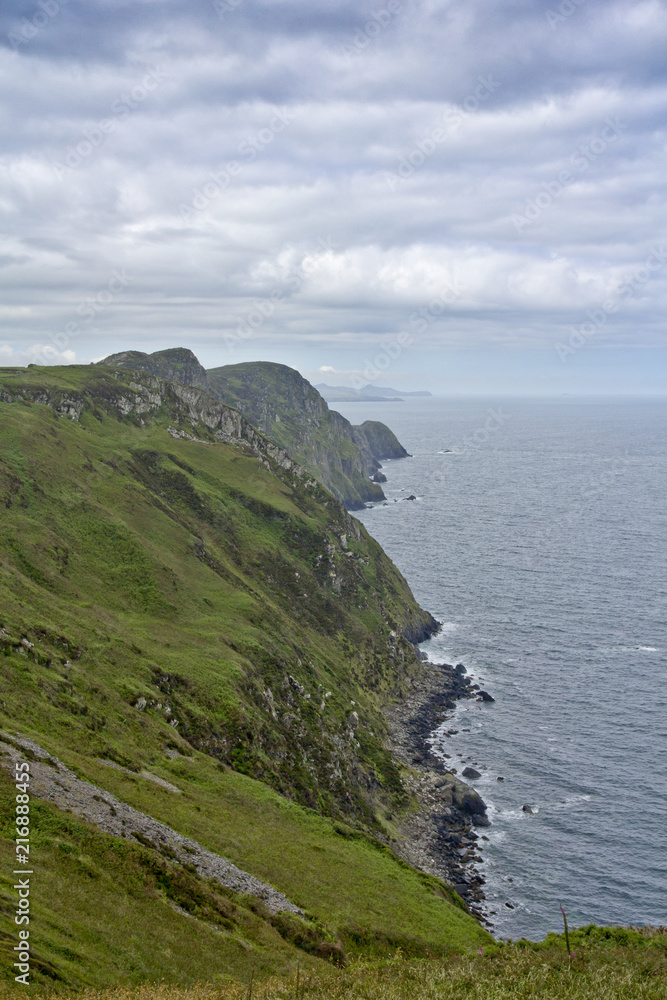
[570, 801]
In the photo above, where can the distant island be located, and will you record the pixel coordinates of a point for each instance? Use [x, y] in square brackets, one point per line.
[369, 394]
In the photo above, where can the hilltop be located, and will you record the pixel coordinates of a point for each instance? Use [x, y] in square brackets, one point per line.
[282, 404]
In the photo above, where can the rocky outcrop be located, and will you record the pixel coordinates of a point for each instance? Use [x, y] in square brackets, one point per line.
[420, 630]
[176, 365]
[378, 441]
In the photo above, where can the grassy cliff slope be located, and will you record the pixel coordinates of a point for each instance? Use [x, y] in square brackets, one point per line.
[179, 598]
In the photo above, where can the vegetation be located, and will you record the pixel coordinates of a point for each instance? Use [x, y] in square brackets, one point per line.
[609, 964]
[197, 610]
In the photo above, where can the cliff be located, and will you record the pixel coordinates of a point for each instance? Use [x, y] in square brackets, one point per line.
[285, 407]
[195, 627]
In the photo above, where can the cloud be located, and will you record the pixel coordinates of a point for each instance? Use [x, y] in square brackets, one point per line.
[337, 166]
[39, 354]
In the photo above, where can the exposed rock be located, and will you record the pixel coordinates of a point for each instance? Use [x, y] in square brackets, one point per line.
[471, 772]
[432, 838]
[53, 781]
[177, 364]
[280, 403]
[484, 696]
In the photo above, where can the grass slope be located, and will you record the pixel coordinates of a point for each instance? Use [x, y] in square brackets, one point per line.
[608, 963]
[199, 612]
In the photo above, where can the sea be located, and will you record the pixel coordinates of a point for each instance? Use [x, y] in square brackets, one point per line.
[538, 538]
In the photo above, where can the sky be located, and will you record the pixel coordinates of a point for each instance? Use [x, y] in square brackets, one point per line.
[466, 196]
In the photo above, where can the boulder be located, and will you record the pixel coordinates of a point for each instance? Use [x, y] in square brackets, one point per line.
[470, 802]
[471, 772]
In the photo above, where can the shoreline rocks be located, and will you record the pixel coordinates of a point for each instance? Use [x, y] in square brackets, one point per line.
[440, 838]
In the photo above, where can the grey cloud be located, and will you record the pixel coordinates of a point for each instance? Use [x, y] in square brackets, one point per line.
[156, 194]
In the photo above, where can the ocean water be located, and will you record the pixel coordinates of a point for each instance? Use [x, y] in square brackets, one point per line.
[539, 539]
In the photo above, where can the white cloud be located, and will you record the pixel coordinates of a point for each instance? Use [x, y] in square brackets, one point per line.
[311, 218]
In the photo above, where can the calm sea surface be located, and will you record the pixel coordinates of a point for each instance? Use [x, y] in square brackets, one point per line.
[539, 539]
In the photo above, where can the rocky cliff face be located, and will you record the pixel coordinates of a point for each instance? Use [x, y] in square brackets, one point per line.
[285, 407]
[190, 408]
[177, 365]
[379, 440]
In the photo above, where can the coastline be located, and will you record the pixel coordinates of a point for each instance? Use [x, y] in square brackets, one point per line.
[440, 837]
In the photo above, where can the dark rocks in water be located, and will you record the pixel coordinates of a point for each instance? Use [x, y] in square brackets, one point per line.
[469, 802]
[528, 809]
[500, 778]
[460, 669]
[411, 497]
[470, 772]
[484, 696]
[510, 906]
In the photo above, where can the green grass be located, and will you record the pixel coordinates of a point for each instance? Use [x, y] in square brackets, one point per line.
[192, 576]
[106, 910]
[610, 964]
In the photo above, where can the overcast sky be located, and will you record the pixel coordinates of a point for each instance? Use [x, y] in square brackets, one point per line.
[464, 194]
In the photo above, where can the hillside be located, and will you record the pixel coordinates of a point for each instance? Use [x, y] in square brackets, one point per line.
[280, 403]
[194, 625]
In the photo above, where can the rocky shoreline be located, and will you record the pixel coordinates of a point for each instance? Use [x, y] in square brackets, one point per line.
[440, 837]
